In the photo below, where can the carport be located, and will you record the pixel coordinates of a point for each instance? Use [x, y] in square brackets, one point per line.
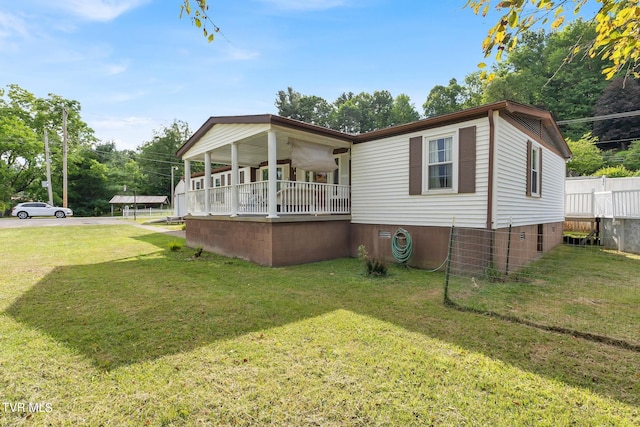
[139, 201]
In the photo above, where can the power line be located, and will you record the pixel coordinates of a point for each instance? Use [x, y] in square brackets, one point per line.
[598, 118]
[175, 163]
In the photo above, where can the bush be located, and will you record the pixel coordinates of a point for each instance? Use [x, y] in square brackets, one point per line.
[373, 266]
[614, 172]
[175, 245]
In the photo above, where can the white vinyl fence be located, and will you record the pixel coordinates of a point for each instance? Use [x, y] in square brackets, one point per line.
[603, 204]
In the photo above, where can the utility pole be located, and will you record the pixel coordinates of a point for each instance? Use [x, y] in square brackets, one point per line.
[48, 160]
[173, 194]
[64, 156]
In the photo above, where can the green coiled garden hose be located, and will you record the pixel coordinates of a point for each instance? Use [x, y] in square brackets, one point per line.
[401, 245]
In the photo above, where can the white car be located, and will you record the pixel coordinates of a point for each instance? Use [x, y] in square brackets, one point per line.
[29, 209]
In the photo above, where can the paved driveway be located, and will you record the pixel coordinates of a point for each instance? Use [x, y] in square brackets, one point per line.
[61, 222]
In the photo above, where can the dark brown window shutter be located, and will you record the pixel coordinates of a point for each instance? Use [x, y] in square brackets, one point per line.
[415, 165]
[529, 147]
[467, 160]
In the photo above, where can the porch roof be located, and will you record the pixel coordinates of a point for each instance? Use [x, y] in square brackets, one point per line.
[250, 132]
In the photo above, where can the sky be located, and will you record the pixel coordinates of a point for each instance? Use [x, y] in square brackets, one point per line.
[135, 66]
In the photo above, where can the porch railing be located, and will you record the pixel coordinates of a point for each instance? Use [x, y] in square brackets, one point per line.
[292, 198]
[603, 204]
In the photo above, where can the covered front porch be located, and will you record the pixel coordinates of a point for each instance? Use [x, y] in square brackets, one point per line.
[271, 204]
[267, 175]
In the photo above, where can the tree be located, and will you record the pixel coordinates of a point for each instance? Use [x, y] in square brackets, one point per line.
[200, 17]
[349, 113]
[21, 158]
[122, 169]
[618, 97]
[616, 38]
[23, 119]
[632, 159]
[455, 97]
[587, 157]
[348, 117]
[403, 111]
[536, 73]
[309, 109]
[474, 90]
[158, 156]
[288, 103]
[444, 99]
[379, 109]
[88, 193]
[315, 110]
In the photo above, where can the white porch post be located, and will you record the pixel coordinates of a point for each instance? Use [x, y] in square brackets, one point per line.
[187, 185]
[207, 180]
[273, 175]
[234, 179]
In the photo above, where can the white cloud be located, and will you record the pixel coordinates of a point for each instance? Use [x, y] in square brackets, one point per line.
[99, 10]
[114, 69]
[113, 123]
[301, 5]
[241, 55]
[120, 97]
[11, 27]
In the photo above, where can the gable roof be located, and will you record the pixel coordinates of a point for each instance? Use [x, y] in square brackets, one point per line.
[269, 119]
[139, 199]
[520, 114]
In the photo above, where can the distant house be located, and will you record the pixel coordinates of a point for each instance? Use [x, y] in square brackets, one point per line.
[141, 202]
[294, 192]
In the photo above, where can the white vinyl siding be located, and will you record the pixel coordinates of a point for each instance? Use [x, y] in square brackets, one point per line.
[512, 203]
[380, 183]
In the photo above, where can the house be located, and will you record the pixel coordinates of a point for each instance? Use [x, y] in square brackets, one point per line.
[294, 192]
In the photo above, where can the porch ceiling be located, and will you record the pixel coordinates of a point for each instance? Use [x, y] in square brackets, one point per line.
[252, 140]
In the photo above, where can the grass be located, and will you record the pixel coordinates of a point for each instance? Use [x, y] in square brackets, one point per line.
[584, 289]
[109, 326]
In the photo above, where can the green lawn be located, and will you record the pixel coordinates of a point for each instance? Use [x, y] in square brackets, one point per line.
[586, 290]
[107, 326]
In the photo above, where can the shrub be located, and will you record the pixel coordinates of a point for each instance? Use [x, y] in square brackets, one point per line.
[614, 172]
[198, 252]
[373, 266]
[175, 245]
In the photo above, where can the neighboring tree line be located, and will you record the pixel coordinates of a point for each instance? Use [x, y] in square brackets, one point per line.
[349, 113]
[96, 170]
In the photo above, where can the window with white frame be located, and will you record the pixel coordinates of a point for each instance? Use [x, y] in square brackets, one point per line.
[535, 171]
[440, 163]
